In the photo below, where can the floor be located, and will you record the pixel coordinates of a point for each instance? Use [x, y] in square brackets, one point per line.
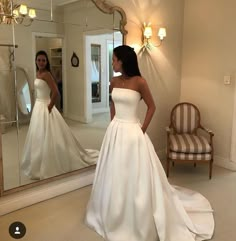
[61, 218]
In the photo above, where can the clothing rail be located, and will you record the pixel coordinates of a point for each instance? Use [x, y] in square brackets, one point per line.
[11, 52]
[9, 45]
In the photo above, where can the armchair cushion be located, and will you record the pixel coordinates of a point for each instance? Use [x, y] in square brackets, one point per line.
[189, 156]
[189, 143]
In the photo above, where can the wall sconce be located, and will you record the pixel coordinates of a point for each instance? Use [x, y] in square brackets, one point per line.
[147, 34]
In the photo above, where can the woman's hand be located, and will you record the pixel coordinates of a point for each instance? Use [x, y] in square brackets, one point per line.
[143, 130]
[53, 87]
[50, 108]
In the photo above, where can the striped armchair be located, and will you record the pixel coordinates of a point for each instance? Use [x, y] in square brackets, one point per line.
[184, 144]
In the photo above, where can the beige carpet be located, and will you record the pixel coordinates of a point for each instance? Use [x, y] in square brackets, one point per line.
[61, 218]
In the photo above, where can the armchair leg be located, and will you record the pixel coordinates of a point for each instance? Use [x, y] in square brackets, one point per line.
[210, 169]
[167, 167]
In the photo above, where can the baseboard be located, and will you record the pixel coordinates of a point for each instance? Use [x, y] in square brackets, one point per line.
[19, 200]
[100, 110]
[225, 163]
[77, 118]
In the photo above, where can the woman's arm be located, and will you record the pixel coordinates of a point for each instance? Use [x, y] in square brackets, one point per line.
[147, 97]
[112, 110]
[54, 90]
[112, 106]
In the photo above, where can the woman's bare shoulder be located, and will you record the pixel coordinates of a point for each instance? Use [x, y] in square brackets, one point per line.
[142, 85]
[47, 76]
[112, 84]
[140, 81]
[115, 81]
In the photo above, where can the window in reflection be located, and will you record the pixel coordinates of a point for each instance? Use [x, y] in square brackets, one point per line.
[96, 72]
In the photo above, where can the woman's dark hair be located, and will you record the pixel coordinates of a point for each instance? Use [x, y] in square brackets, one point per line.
[42, 52]
[129, 60]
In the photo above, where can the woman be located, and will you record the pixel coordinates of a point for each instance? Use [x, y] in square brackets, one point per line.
[50, 147]
[131, 198]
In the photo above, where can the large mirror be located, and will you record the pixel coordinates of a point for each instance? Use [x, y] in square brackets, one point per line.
[78, 37]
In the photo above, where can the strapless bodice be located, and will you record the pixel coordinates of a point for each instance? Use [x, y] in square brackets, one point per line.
[42, 89]
[126, 104]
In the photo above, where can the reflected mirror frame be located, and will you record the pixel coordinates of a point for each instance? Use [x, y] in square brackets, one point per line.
[105, 7]
[1, 166]
[18, 70]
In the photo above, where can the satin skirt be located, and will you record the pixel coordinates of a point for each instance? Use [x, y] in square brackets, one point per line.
[131, 198]
[51, 148]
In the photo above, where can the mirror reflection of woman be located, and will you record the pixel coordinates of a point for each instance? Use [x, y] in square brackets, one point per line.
[131, 198]
[50, 147]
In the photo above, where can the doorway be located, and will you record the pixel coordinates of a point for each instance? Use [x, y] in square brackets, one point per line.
[52, 44]
[104, 44]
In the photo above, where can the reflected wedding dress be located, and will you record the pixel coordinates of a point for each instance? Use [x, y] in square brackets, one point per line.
[50, 147]
[131, 198]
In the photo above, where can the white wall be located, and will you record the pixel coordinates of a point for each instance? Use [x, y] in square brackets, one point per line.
[209, 53]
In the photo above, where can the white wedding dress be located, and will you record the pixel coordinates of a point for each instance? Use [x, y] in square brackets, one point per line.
[131, 198]
[51, 148]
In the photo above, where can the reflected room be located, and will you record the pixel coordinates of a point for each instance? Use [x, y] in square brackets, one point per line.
[78, 38]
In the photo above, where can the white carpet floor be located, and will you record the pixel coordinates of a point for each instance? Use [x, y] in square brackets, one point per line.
[61, 218]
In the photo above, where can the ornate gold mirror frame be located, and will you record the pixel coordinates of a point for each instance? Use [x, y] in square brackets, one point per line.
[109, 9]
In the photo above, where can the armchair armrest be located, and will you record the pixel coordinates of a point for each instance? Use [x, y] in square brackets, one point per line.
[168, 130]
[210, 132]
